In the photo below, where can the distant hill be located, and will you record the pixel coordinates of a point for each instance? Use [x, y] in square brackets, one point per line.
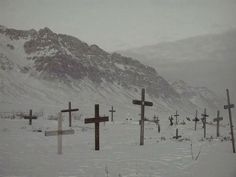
[208, 60]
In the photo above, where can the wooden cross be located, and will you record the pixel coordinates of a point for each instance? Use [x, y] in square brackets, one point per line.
[112, 111]
[156, 120]
[176, 118]
[177, 134]
[97, 119]
[30, 117]
[229, 106]
[195, 120]
[204, 116]
[171, 120]
[59, 132]
[217, 120]
[69, 110]
[143, 103]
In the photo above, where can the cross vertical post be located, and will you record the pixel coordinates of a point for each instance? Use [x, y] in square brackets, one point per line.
[59, 137]
[30, 117]
[217, 120]
[177, 134]
[96, 120]
[69, 114]
[143, 103]
[142, 118]
[176, 117]
[156, 120]
[229, 106]
[112, 111]
[59, 132]
[97, 128]
[195, 120]
[204, 116]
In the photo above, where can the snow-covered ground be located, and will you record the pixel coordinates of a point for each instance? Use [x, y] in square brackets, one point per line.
[24, 152]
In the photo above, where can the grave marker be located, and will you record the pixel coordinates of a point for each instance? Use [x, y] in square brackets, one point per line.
[70, 111]
[143, 103]
[59, 132]
[96, 120]
[195, 120]
[30, 117]
[156, 120]
[229, 106]
[176, 118]
[177, 136]
[112, 111]
[204, 116]
[217, 120]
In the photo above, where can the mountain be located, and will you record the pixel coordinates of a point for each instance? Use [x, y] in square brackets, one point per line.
[207, 60]
[201, 96]
[220, 47]
[45, 70]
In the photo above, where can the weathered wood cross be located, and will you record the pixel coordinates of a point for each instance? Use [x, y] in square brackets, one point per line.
[195, 120]
[229, 106]
[217, 120]
[97, 119]
[70, 111]
[143, 103]
[59, 132]
[177, 136]
[156, 120]
[204, 116]
[30, 117]
[176, 118]
[112, 111]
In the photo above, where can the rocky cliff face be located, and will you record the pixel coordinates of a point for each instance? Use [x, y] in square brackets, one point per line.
[59, 56]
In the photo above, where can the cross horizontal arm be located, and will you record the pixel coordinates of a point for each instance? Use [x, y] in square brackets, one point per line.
[29, 117]
[56, 132]
[205, 115]
[146, 103]
[228, 106]
[69, 110]
[138, 102]
[96, 120]
[217, 119]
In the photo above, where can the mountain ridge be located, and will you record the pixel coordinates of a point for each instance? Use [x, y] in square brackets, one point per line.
[207, 60]
[46, 59]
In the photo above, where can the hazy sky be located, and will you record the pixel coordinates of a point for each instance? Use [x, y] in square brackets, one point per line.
[121, 24]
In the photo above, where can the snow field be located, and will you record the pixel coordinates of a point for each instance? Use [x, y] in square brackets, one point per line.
[24, 152]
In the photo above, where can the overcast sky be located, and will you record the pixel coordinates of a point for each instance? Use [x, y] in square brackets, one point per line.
[121, 24]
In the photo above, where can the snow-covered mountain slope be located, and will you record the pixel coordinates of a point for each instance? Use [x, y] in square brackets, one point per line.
[207, 60]
[45, 70]
[201, 96]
